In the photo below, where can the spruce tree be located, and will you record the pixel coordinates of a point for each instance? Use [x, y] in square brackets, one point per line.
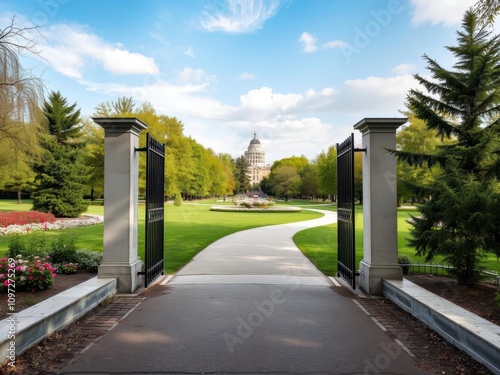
[461, 218]
[241, 177]
[60, 174]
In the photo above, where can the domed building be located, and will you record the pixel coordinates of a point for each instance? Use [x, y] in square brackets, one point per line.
[256, 158]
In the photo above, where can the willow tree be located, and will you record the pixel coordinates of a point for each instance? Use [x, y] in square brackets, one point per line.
[461, 220]
[20, 97]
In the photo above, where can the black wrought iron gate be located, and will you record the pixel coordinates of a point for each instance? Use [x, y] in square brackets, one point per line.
[345, 211]
[155, 178]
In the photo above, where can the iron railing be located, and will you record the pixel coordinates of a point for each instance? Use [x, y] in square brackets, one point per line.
[489, 277]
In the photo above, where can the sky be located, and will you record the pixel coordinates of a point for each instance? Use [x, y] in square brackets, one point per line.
[299, 73]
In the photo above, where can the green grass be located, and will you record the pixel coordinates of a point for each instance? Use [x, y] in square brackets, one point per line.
[192, 227]
[188, 228]
[320, 244]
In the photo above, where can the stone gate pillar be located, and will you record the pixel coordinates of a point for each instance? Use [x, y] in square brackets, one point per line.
[380, 237]
[121, 171]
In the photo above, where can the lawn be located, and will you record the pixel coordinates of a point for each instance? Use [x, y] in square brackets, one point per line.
[188, 228]
[192, 227]
[320, 244]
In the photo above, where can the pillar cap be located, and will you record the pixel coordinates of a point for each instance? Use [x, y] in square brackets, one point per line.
[120, 124]
[380, 124]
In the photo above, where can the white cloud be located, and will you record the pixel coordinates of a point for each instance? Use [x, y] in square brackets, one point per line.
[71, 50]
[239, 16]
[189, 52]
[308, 42]
[194, 75]
[118, 61]
[286, 123]
[334, 44]
[403, 69]
[447, 12]
[246, 76]
[375, 96]
[262, 103]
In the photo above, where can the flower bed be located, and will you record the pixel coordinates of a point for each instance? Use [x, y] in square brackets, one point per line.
[31, 273]
[59, 224]
[255, 209]
[25, 217]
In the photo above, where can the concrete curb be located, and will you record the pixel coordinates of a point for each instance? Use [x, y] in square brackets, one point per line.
[474, 335]
[22, 330]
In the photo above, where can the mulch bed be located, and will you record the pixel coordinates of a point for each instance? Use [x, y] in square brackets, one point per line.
[478, 299]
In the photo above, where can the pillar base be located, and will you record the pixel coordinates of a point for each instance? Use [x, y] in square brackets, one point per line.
[370, 276]
[128, 280]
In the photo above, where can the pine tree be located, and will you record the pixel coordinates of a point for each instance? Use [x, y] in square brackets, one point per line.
[241, 176]
[461, 218]
[60, 175]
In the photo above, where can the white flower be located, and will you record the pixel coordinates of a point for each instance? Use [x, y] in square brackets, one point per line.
[20, 229]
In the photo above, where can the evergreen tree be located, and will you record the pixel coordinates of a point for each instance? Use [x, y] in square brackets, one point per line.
[461, 219]
[241, 176]
[60, 174]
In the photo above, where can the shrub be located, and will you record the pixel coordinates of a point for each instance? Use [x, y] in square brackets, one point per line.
[90, 260]
[31, 273]
[177, 200]
[25, 217]
[66, 268]
[63, 249]
[16, 247]
[36, 245]
[404, 260]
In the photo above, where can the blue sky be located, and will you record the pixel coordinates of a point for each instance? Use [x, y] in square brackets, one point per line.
[300, 73]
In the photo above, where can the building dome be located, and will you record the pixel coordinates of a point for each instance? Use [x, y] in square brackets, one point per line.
[255, 154]
[255, 141]
[256, 159]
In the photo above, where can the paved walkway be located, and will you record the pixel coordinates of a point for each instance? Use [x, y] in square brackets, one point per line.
[250, 303]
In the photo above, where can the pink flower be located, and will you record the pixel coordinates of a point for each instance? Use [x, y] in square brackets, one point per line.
[41, 268]
[6, 282]
[31, 277]
[54, 275]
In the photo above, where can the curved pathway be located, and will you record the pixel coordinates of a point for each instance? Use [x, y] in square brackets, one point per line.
[250, 303]
[265, 255]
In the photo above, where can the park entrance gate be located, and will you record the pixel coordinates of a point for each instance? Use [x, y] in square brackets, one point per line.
[155, 179]
[345, 211]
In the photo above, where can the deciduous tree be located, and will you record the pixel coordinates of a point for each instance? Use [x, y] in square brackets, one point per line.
[327, 172]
